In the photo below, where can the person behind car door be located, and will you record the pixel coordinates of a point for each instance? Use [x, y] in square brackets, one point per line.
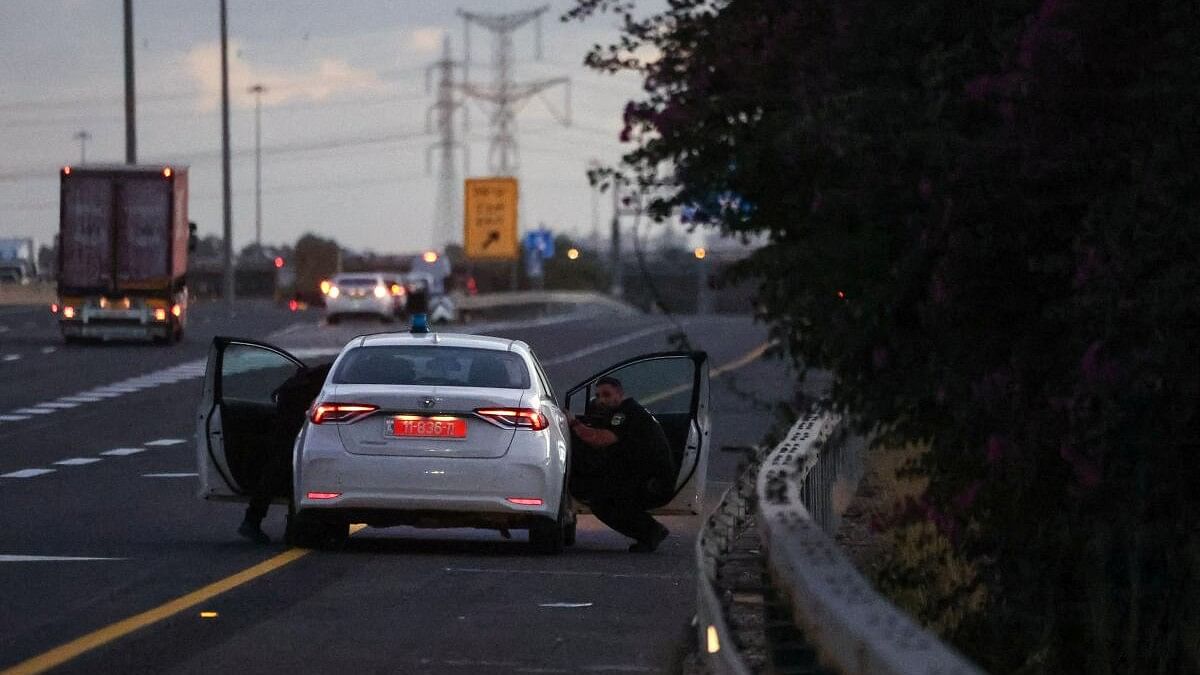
[292, 400]
[635, 460]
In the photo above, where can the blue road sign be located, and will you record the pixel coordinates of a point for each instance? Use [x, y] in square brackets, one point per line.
[541, 241]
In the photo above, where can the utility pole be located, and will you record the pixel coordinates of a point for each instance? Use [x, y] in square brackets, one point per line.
[83, 137]
[258, 90]
[446, 221]
[505, 94]
[226, 189]
[130, 109]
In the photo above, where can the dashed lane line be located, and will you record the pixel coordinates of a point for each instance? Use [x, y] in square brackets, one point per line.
[8, 558]
[78, 461]
[122, 452]
[164, 442]
[58, 405]
[27, 473]
[13, 418]
[33, 411]
[170, 475]
[11, 357]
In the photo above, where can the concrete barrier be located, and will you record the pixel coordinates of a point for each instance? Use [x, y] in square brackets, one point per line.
[33, 294]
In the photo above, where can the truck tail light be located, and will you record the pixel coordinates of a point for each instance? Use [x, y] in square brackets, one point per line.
[68, 312]
[340, 413]
[176, 310]
[515, 418]
[160, 314]
[54, 308]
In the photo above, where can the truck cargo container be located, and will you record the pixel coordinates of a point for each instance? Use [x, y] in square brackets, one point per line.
[123, 248]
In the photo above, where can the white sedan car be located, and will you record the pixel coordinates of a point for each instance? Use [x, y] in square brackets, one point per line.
[364, 294]
[433, 430]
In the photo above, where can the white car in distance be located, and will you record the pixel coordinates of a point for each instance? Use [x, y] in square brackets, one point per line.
[433, 430]
[364, 294]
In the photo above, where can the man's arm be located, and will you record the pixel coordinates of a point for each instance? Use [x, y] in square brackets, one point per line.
[597, 438]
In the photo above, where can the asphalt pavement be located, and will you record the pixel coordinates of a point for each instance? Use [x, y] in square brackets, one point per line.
[100, 528]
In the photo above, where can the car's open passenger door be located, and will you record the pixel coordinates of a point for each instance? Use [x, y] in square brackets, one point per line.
[673, 386]
[236, 419]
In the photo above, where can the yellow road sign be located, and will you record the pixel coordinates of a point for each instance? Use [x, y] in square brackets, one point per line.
[490, 219]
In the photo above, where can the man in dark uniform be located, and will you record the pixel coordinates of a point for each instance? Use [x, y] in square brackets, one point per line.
[632, 460]
[292, 400]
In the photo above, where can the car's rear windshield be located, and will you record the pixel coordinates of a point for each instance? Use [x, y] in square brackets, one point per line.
[433, 366]
[357, 281]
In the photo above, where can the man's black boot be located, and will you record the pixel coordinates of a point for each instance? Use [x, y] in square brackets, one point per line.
[650, 545]
[253, 531]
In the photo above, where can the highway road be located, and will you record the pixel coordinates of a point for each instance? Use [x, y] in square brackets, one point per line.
[110, 564]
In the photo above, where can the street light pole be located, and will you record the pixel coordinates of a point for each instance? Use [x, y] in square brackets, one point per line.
[130, 109]
[83, 137]
[617, 288]
[258, 90]
[226, 190]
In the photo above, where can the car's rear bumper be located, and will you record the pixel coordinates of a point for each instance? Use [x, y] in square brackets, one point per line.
[341, 305]
[429, 492]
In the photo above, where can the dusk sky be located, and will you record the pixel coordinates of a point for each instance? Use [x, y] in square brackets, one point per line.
[343, 123]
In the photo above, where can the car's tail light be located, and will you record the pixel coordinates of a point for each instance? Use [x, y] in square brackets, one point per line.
[525, 501]
[324, 495]
[54, 308]
[340, 413]
[68, 312]
[397, 290]
[176, 310]
[381, 292]
[518, 418]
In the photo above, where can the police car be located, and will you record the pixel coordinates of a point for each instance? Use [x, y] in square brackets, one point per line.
[433, 430]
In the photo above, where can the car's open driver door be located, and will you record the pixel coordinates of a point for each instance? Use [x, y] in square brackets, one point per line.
[673, 386]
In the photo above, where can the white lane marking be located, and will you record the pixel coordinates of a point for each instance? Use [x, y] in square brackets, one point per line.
[57, 405]
[170, 475]
[105, 394]
[33, 411]
[122, 452]
[165, 442]
[49, 350]
[82, 399]
[27, 473]
[11, 357]
[13, 418]
[566, 605]
[284, 331]
[4, 557]
[78, 461]
[566, 573]
[586, 351]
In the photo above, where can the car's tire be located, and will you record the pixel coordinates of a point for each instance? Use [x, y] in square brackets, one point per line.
[305, 532]
[550, 536]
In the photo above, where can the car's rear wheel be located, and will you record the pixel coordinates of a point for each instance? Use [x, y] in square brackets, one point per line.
[550, 536]
[306, 532]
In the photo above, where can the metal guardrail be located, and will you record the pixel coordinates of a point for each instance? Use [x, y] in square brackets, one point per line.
[792, 499]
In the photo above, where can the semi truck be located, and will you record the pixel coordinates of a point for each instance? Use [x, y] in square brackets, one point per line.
[124, 238]
[18, 260]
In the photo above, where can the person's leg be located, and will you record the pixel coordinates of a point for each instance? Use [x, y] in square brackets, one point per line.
[628, 520]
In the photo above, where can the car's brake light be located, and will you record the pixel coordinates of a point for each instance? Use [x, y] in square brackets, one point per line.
[340, 413]
[397, 290]
[520, 418]
[324, 495]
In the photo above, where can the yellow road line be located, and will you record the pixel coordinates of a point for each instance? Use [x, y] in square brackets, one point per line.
[63, 653]
[745, 359]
